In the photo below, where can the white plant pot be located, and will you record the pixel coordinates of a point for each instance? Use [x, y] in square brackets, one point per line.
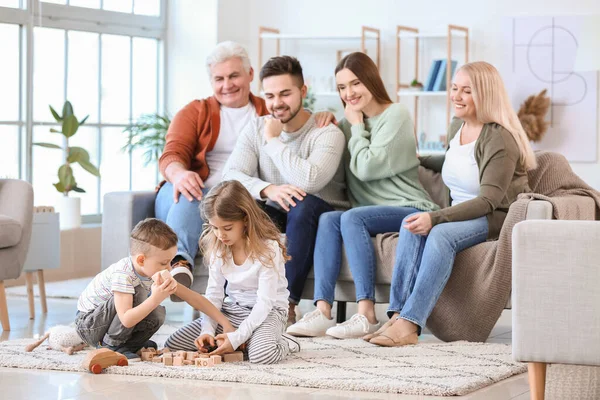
[70, 212]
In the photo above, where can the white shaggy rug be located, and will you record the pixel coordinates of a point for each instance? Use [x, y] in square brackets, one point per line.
[70, 289]
[442, 369]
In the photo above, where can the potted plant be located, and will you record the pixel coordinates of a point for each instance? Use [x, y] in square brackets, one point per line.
[69, 207]
[416, 85]
[148, 133]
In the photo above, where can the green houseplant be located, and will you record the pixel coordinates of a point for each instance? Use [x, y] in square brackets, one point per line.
[148, 133]
[69, 207]
[69, 126]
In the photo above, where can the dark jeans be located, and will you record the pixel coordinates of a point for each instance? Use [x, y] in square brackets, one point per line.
[103, 326]
[300, 227]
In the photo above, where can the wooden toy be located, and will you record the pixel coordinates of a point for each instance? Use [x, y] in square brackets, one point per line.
[177, 361]
[191, 355]
[216, 359]
[203, 355]
[167, 360]
[99, 359]
[147, 355]
[181, 354]
[236, 356]
[187, 362]
[157, 359]
[205, 362]
[60, 337]
[165, 350]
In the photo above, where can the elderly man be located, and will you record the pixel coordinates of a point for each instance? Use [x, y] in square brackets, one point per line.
[200, 139]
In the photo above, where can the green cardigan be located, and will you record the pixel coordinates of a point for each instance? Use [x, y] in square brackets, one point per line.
[502, 178]
[381, 161]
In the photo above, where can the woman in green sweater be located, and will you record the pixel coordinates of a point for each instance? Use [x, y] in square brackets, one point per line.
[485, 168]
[383, 185]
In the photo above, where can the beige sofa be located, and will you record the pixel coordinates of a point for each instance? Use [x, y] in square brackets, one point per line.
[122, 210]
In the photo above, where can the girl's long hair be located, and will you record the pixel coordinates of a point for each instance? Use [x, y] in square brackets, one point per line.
[230, 201]
[492, 104]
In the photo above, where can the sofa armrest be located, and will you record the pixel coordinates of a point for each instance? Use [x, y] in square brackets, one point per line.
[556, 301]
[539, 209]
[16, 202]
[122, 211]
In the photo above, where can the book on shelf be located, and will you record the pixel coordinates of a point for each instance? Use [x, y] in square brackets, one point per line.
[435, 66]
[440, 80]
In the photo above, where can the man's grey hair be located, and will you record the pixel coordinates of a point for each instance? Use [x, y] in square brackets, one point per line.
[225, 51]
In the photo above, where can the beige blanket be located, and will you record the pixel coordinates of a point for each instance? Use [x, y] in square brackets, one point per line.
[480, 283]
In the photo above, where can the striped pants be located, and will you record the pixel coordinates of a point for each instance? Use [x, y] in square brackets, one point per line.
[265, 346]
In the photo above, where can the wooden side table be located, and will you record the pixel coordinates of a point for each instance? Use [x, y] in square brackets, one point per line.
[43, 253]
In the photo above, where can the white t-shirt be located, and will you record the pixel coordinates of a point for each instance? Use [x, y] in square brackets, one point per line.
[251, 285]
[460, 171]
[119, 277]
[233, 122]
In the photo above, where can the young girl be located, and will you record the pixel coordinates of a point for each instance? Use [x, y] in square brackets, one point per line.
[381, 172]
[244, 249]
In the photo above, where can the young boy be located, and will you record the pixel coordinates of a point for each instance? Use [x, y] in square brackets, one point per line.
[120, 309]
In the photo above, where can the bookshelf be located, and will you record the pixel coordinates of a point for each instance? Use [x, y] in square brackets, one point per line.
[453, 33]
[366, 34]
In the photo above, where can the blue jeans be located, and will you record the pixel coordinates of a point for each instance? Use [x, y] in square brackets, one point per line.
[424, 263]
[183, 217]
[354, 228]
[300, 227]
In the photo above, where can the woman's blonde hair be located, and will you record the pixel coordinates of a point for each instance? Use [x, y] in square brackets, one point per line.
[492, 104]
[230, 201]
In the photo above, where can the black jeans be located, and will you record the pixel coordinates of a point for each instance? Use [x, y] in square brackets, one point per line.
[300, 227]
[103, 326]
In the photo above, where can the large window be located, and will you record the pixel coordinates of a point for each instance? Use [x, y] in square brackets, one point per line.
[104, 56]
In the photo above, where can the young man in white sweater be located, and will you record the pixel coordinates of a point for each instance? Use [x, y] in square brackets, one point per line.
[286, 160]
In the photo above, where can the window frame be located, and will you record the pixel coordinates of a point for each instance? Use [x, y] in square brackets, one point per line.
[36, 13]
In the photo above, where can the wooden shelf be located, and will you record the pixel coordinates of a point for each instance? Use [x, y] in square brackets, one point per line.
[422, 93]
[410, 35]
[367, 34]
[313, 37]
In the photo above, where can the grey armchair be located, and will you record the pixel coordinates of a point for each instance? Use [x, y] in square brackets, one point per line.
[556, 301]
[16, 215]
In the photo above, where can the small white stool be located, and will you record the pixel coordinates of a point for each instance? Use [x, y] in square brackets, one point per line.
[43, 253]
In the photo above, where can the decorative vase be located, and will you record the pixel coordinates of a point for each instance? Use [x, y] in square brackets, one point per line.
[70, 212]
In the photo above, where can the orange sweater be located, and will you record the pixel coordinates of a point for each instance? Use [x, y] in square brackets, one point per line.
[194, 132]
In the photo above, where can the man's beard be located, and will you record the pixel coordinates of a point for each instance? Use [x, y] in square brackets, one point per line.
[294, 113]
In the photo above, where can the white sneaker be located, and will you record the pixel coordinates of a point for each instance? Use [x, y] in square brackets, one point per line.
[357, 326]
[315, 323]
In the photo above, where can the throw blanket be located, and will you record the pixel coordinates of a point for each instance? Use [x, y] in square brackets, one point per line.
[480, 284]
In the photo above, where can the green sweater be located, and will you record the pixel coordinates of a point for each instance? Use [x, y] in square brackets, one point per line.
[501, 178]
[381, 161]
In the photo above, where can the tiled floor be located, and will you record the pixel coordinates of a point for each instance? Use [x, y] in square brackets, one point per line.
[43, 385]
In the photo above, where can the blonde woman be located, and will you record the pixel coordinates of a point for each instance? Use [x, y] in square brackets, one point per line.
[485, 168]
[245, 249]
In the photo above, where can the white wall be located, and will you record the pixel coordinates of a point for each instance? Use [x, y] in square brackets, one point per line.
[191, 35]
[239, 20]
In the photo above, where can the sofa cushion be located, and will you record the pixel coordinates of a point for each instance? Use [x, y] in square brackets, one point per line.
[10, 232]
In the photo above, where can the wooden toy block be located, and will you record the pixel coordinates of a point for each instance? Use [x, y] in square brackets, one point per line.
[205, 362]
[236, 356]
[165, 275]
[165, 350]
[216, 359]
[168, 361]
[188, 362]
[191, 355]
[157, 359]
[203, 355]
[177, 361]
[147, 356]
[97, 360]
[181, 354]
